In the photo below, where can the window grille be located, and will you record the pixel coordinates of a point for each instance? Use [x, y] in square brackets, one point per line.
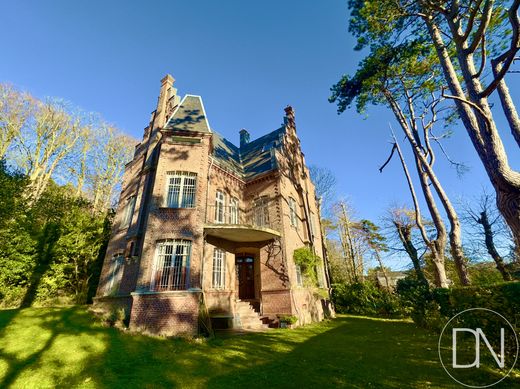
[292, 212]
[219, 266]
[171, 265]
[181, 188]
[220, 203]
[115, 274]
[233, 211]
[261, 211]
[128, 212]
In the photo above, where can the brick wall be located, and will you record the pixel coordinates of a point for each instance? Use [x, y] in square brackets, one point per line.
[166, 313]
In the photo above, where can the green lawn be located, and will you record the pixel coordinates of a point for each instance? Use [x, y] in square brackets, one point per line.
[66, 347]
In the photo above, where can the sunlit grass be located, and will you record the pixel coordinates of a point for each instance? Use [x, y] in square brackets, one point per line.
[66, 347]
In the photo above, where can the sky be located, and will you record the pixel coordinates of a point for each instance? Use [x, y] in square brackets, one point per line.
[248, 60]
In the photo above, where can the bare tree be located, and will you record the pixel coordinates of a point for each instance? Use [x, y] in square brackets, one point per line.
[325, 184]
[489, 222]
[48, 139]
[16, 109]
[403, 224]
[109, 154]
[438, 244]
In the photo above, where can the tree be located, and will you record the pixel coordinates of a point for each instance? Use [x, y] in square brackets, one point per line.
[376, 242]
[490, 229]
[325, 184]
[109, 151]
[48, 139]
[402, 221]
[463, 36]
[15, 110]
[402, 79]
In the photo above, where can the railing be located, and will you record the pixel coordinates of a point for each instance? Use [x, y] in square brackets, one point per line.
[170, 278]
[232, 215]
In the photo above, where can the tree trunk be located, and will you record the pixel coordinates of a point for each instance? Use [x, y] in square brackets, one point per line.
[490, 245]
[508, 106]
[478, 120]
[405, 236]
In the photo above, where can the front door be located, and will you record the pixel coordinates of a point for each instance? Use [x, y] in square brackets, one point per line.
[246, 277]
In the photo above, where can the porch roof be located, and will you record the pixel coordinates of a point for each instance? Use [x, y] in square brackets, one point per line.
[240, 233]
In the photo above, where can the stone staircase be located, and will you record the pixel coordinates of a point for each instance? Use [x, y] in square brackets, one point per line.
[248, 318]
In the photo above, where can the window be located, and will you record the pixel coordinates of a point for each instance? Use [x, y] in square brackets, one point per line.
[180, 190]
[311, 225]
[299, 278]
[219, 269]
[115, 274]
[220, 203]
[233, 211]
[128, 212]
[292, 212]
[172, 265]
[261, 211]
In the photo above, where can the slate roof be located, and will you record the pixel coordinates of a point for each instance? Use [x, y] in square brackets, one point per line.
[189, 116]
[248, 161]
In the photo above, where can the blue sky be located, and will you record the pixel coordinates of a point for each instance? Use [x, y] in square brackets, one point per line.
[248, 60]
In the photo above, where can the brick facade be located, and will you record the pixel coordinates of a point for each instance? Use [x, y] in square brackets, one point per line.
[261, 176]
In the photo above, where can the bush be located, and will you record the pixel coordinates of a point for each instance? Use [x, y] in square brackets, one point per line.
[365, 298]
[433, 308]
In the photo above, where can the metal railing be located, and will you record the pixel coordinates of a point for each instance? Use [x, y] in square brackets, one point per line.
[231, 215]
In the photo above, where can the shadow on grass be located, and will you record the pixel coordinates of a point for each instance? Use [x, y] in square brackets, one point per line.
[65, 347]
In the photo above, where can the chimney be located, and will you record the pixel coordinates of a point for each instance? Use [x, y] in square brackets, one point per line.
[167, 92]
[244, 137]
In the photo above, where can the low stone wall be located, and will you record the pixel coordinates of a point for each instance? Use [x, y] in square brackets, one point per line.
[166, 313]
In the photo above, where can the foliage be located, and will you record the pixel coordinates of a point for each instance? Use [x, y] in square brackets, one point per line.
[365, 298]
[432, 308]
[289, 319]
[308, 261]
[90, 355]
[50, 252]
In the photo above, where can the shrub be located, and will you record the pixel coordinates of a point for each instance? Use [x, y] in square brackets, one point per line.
[365, 298]
[433, 308]
[307, 260]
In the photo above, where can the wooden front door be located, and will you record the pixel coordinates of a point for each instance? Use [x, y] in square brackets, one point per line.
[246, 277]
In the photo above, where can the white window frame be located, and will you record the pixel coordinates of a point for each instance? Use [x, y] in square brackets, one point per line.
[172, 260]
[181, 188]
[293, 214]
[220, 206]
[261, 211]
[218, 280]
[115, 274]
[128, 212]
[234, 211]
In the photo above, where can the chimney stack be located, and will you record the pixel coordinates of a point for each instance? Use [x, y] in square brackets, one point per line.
[244, 137]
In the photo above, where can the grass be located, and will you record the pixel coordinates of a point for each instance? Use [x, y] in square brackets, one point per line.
[66, 347]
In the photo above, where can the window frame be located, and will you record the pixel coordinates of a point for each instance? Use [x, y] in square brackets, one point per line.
[220, 206]
[299, 275]
[261, 211]
[185, 190]
[128, 212]
[174, 278]
[293, 214]
[115, 274]
[234, 209]
[218, 279]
